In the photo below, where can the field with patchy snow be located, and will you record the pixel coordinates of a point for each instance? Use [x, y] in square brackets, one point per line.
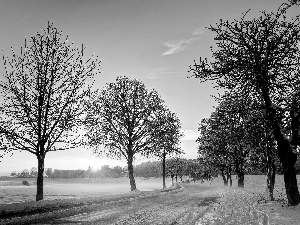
[196, 204]
[12, 190]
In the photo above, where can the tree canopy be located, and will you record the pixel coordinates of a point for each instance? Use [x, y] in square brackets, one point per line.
[43, 89]
[123, 120]
[259, 59]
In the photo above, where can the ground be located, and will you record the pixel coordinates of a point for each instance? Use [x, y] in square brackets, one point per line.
[191, 203]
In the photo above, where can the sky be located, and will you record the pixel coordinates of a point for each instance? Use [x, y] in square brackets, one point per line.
[152, 40]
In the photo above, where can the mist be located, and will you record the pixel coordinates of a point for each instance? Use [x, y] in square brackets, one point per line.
[12, 190]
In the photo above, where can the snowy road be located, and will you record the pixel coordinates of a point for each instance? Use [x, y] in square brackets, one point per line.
[184, 206]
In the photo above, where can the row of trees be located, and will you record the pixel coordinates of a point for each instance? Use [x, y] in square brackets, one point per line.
[175, 167]
[125, 120]
[33, 172]
[235, 139]
[105, 171]
[48, 104]
[256, 64]
[25, 173]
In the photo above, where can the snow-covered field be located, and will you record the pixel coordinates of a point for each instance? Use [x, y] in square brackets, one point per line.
[235, 206]
[245, 206]
[12, 190]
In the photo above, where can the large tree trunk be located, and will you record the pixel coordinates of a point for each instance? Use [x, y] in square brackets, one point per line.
[40, 179]
[164, 170]
[284, 149]
[130, 173]
[288, 160]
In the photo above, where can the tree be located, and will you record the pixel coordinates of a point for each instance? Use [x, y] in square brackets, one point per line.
[24, 173]
[49, 172]
[43, 89]
[168, 137]
[13, 174]
[33, 172]
[260, 58]
[235, 137]
[193, 169]
[171, 169]
[226, 139]
[148, 169]
[117, 171]
[3, 145]
[270, 158]
[175, 167]
[89, 173]
[120, 121]
[213, 147]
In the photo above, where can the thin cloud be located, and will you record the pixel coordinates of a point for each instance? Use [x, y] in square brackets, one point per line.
[160, 72]
[174, 47]
[177, 46]
[200, 31]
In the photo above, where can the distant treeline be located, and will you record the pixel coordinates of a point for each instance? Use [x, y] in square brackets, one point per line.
[174, 167]
[105, 171]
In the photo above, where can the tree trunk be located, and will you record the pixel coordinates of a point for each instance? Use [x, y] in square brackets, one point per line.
[288, 160]
[271, 169]
[176, 178]
[229, 176]
[164, 170]
[271, 180]
[284, 149]
[40, 179]
[224, 178]
[240, 176]
[130, 173]
[172, 176]
[239, 172]
[230, 180]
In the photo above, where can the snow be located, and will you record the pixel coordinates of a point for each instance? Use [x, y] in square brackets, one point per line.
[237, 206]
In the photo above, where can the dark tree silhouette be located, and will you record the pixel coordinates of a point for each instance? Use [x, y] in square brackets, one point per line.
[212, 148]
[43, 89]
[122, 119]
[168, 137]
[231, 137]
[260, 58]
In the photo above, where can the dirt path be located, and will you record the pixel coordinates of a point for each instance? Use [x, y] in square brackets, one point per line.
[182, 206]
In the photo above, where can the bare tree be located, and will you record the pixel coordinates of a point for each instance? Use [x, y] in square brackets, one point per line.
[259, 59]
[43, 88]
[121, 120]
[168, 137]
